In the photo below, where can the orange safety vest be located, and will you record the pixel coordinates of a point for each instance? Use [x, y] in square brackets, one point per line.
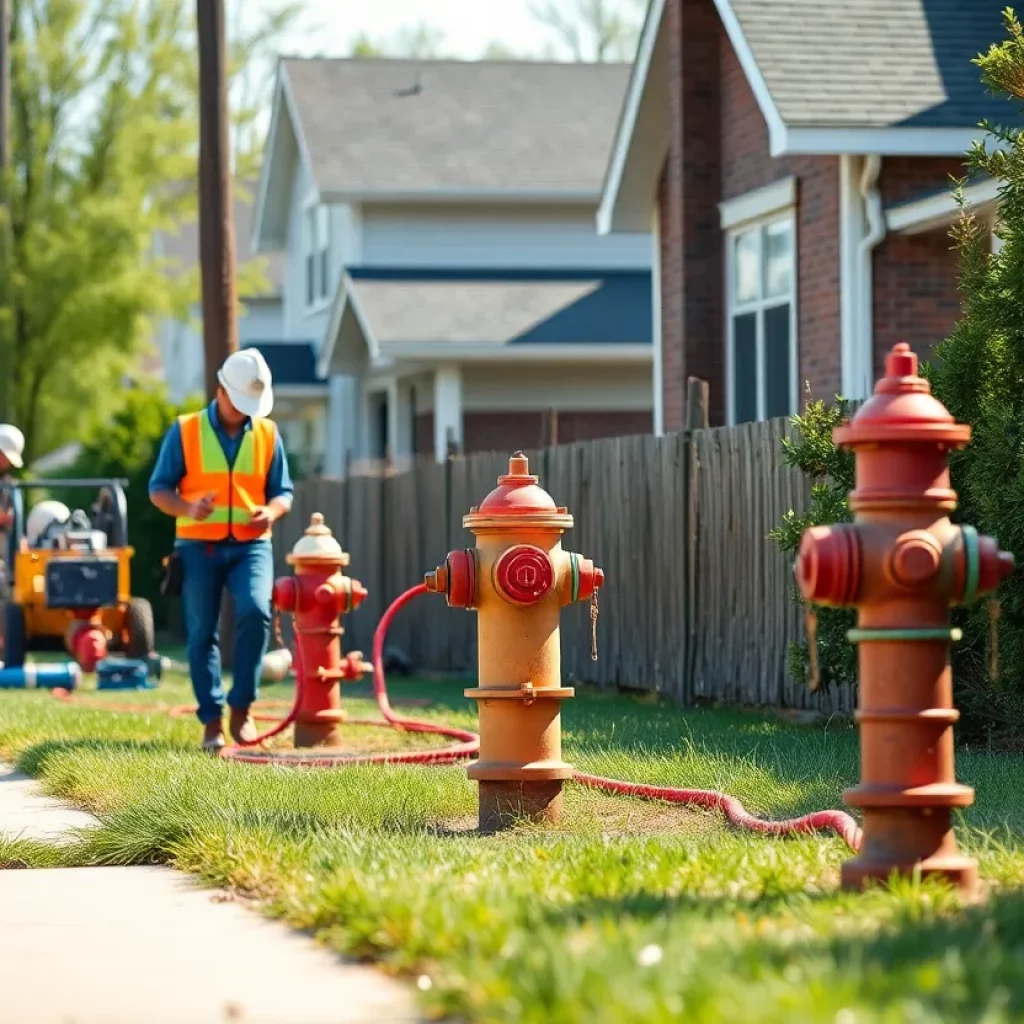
[237, 489]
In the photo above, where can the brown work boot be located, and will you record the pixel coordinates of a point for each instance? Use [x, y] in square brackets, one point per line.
[243, 728]
[213, 736]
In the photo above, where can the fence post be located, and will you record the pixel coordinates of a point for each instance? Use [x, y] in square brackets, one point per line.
[696, 419]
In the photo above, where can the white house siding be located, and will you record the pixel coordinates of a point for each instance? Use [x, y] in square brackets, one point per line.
[534, 237]
[181, 343]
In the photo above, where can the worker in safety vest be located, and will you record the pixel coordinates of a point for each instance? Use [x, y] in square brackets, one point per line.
[222, 473]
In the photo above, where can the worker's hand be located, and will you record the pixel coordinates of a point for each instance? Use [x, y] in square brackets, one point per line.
[6, 518]
[262, 517]
[201, 509]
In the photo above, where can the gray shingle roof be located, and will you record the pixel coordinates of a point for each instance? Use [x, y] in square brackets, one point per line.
[378, 125]
[875, 63]
[612, 308]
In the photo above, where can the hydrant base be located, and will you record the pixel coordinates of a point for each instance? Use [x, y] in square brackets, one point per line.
[504, 804]
[961, 872]
[318, 734]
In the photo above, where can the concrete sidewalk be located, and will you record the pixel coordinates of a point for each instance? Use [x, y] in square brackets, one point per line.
[143, 945]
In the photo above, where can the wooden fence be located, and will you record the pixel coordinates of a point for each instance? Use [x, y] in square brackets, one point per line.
[697, 601]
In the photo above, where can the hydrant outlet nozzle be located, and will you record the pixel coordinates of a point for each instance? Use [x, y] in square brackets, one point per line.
[437, 581]
[284, 594]
[828, 565]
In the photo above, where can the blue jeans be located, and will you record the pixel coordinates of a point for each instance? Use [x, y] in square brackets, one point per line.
[247, 570]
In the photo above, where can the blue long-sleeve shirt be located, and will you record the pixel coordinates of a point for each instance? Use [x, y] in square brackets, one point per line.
[169, 470]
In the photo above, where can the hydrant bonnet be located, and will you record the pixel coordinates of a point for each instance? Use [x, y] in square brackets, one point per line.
[317, 544]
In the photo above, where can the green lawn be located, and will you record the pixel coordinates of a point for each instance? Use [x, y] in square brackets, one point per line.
[627, 912]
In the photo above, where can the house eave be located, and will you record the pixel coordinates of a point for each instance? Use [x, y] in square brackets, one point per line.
[476, 353]
[641, 137]
[888, 141]
[284, 116]
[468, 196]
[940, 209]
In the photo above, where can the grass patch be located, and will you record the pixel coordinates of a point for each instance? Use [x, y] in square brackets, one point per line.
[626, 912]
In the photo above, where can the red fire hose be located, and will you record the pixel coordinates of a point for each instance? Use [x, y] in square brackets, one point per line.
[469, 744]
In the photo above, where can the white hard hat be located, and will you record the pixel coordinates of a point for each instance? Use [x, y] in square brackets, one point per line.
[12, 444]
[42, 516]
[245, 376]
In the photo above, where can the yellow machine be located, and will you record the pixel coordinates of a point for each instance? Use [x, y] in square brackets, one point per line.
[72, 569]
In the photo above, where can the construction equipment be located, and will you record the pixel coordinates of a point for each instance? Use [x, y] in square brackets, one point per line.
[71, 577]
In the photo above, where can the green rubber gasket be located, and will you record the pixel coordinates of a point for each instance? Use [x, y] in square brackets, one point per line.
[972, 556]
[860, 636]
[574, 568]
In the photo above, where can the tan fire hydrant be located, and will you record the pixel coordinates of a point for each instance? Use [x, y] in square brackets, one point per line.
[518, 579]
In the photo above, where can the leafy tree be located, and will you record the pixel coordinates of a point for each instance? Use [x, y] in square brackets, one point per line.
[593, 30]
[419, 40]
[103, 124]
[978, 373]
[831, 474]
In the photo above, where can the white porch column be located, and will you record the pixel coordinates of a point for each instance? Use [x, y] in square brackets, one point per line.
[656, 340]
[337, 440]
[364, 446]
[399, 419]
[447, 409]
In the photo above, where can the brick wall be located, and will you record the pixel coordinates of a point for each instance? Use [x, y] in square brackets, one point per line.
[718, 150]
[692, 264]
[746, 165]
[910, 177]
[915, 276]
[506, 431]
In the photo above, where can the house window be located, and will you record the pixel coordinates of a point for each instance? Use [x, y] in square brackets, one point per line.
[318, 249]
[762, 320]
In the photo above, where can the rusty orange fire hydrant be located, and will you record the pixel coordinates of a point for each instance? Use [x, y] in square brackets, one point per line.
[317, 596]
[902, 564]
[518, 579]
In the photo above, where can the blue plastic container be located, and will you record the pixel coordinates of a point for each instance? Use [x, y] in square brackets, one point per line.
[123, 674]
[44, 677]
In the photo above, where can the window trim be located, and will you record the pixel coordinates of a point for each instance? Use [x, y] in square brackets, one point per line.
[313, 255]
[734, 309]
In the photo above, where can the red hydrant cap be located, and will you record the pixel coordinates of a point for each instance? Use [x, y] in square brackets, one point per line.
[518, 491]
[902, 409]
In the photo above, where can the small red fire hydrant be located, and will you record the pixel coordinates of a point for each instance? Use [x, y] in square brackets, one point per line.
[902, 564]
[317, 596]
[518, 579]
[86, 639]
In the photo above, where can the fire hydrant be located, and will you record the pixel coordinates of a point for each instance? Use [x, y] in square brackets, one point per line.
[86, 640]
[317, 596]
[518, 579]
[902, 564]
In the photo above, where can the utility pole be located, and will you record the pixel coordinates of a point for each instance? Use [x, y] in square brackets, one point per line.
[7, 250]
[216, 203]
[216, 228]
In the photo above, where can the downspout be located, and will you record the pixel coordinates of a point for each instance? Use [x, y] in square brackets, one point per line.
[864, 336]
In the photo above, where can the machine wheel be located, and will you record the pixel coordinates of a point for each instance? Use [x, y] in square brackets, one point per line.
[14, 636]
[138, 628]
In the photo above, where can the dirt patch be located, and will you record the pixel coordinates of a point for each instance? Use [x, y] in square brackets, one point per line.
[590, 813]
